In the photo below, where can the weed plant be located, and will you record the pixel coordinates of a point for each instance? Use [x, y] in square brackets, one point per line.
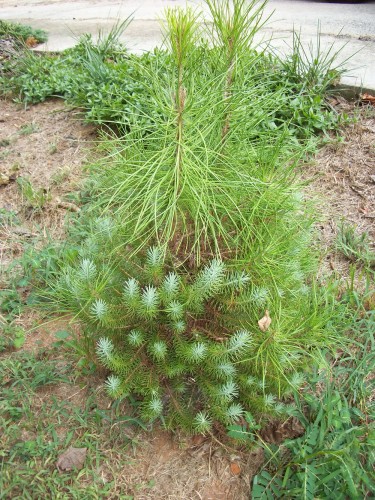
[306, 76]
[8, 218]
[27, 129]
[37, 425]
[332, 458]
[199, 196]
[32, 197]
[335, 456]
[356, 247]
[21, 32]
[100, 77]
[20, 279]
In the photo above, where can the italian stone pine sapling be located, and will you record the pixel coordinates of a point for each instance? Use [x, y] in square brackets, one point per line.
[202, 230]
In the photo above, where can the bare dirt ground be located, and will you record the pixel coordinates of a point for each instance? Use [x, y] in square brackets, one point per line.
[343, 182]
[347, 174]
[48, 144]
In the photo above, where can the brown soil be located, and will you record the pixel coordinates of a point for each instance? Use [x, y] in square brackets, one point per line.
[51, 153]
[190, 469]
[347, 175]
[343, 181]
[47, 145]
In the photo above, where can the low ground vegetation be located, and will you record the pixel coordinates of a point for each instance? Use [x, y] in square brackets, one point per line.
[22, 34]
[192, 265]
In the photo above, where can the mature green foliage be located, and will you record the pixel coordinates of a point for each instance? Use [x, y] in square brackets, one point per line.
[205, 175]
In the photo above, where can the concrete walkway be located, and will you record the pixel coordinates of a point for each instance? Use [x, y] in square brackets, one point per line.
[349, 26]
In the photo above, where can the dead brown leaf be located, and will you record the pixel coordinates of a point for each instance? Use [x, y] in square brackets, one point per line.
[368, 98]
[265, 322]
[72, 458]
[276, 432]
[31, 41]
[67, 205]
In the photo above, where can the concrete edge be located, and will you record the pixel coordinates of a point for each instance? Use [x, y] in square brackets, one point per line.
[352, 92]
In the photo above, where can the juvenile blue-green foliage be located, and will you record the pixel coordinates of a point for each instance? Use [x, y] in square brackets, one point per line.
[210, 278]
[237, 280]
[132, 295]
[154, 408]
[113, 385]
[197, 351]
[238, 343]
[225, 370]
[150, 301]
[259, 296]
[234, 412]
[87, 270]
[202, 423]
[131, 289]
[99, 309]
[106, 226]
[176, 350]
[170, 287]
[228, 391]
[154, 257]
[136, 338]
[175, 310]
[104, 349]
[158, 350]
[190, 340]
[178, 326]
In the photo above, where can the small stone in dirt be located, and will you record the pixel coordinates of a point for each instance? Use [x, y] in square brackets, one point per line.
[197, 440]
[21, 231]
[4, 180]
[368, 98]
[372, 177]
[235, 469]
[276, 432]
[72, 458]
